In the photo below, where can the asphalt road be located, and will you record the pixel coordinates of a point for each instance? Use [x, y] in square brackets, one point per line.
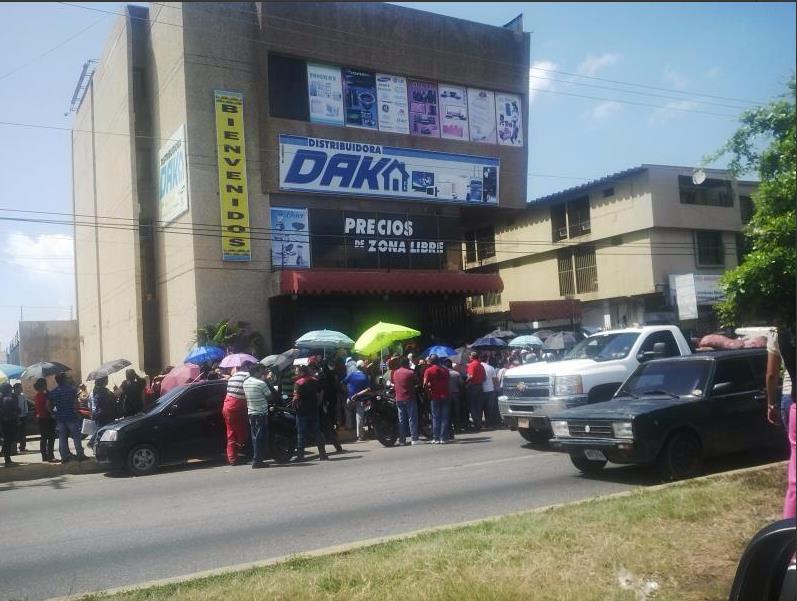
[84, 533]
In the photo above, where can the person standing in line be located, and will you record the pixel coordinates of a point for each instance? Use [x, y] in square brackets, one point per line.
[306, 398]
[236, 417]
[9, 419]
[329, 402]
[358, 384]
[405, 382]
[132, 393]
[45, 420]
[474, 390]
[455, 395]
[24, 410]
[781, 350]
[64, 404]
[488, 387]
[435, 380]
[257, 392]
[103, 407]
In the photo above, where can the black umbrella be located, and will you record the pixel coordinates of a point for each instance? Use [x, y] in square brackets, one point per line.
[44, 369]
[106, 369]
[488, 342]
[559, 341]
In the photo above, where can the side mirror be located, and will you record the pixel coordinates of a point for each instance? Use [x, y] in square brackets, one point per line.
[659, 349]
[721, 387]
[646, 356]
[764, 571]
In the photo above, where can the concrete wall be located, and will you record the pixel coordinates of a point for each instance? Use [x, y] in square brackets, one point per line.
[51, 341]
[118, 334]
[676, 253]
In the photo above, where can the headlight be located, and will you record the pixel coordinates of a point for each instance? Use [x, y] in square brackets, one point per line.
[623, 429]
[568, 386]
[560, 429]
[109, 436]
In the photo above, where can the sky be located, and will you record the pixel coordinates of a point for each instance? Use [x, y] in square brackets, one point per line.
[738, 53]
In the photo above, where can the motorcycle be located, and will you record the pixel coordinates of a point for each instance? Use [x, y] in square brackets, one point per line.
[281, 432]
[381, 416]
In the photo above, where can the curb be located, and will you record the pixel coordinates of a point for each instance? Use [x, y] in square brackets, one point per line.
[36, 471]
[356, 545]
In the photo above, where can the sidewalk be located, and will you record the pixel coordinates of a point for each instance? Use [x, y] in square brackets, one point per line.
[29, 465]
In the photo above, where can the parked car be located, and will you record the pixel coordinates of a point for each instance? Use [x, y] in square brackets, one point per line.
[673, 413]
[590, 373]
[185, 423]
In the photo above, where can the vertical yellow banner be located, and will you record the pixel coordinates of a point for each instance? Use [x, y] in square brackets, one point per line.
[233, 194]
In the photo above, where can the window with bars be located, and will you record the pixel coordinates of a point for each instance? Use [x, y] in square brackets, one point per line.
[578, 270]
[709, 249]
[565, 265]
[492, 299]
[479, 244]
[570, 219]
[746, 208]
[712, 192]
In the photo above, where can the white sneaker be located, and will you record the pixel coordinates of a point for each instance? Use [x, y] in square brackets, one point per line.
[435, 442]
[442, 442]
[416, 442]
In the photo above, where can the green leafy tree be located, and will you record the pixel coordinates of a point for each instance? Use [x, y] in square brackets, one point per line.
[233, 336]
[762, 288]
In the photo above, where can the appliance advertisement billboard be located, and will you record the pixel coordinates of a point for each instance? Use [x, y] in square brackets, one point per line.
[424, 117]
[324, 91]
[359, 99]
[391, 94]
[351, 168]
[453, 113]
[509, 119]
[481, 114]
[173, 177]
[290, 238]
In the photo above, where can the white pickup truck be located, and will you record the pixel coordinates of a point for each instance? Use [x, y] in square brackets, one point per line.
[590, 373]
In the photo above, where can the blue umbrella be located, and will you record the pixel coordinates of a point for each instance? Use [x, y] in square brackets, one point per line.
[324, 339]
[522, 341]
[487, 342]
[204, 354]
[440, 350]
[11, 371]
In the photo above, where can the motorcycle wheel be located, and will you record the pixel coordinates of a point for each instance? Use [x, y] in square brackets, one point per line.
[281, 448]
[386, 432]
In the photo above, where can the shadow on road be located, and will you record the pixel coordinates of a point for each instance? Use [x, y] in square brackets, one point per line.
[474, 440]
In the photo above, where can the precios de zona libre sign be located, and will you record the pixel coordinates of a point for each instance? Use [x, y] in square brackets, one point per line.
[340, 167]
[233, 193]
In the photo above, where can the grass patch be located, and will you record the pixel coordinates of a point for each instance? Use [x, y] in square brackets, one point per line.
[686, 538]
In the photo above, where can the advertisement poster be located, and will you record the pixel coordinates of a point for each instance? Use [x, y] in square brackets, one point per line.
[481, 115]
[359, 99]
[325, 93]
[358, 239]
[453, 113]
[509, 119]
[424, 117]
[340, 167]
[172, 176]
[290, 238]
[233, 194]
[391, 94]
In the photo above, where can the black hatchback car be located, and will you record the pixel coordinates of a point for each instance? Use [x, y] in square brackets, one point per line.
[673, 413]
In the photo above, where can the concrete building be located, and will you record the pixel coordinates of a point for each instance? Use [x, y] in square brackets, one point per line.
[611, 248]
[292, 165]
[47, 341]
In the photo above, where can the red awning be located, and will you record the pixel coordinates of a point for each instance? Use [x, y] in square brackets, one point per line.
[332, 281]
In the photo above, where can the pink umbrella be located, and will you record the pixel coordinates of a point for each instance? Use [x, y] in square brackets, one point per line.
[237, 360]
[182, 374]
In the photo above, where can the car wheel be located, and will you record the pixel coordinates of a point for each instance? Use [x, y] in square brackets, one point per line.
[682, 457]
[281, 448]
[142, 459]
[534, 436]
[588, 466]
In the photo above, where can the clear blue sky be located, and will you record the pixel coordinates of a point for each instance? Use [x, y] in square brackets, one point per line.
[735, 50]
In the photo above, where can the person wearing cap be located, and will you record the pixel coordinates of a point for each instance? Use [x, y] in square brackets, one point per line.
[306, 400]
[358, 384]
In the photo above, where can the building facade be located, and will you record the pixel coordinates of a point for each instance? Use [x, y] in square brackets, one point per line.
[47, 341]
[608, 253]
[292, 165]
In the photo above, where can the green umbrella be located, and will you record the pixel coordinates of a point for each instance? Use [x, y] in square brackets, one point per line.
[381, 335]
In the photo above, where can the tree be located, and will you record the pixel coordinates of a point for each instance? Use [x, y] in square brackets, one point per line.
[762, 288]
[234, 336]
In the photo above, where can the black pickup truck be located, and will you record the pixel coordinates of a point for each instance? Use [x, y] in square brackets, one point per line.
[672, 413]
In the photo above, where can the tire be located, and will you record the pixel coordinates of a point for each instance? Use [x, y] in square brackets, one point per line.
[281, 448]
[142, 460]
[587, 466]
[386, 432]
[682, 457]
[534, 436]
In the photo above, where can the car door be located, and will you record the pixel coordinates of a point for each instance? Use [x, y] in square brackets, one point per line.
[188, 426]
[735, 409]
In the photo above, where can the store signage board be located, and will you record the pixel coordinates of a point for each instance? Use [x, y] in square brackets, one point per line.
[351, 168]
[481, 115]
[290, 238]
[325, 94]
[391, 94]
[173, 177]
[424, 117]
[454, 113]
[509, 119]
[359, 99]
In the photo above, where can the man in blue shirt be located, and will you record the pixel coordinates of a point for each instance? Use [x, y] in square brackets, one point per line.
[358, 384]
[63, 404]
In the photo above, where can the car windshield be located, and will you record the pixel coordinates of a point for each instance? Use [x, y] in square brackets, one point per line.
[166, 399]
[682, 378]
[604, 347]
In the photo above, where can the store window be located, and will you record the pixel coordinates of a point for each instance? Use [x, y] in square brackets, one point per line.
[710, 251]
[712, 192]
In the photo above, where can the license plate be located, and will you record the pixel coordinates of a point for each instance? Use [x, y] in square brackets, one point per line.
[523, 422]
[594, 455]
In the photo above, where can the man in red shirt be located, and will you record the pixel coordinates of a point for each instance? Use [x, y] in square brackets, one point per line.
[474, 392]
[435, 380]
[404, 381]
